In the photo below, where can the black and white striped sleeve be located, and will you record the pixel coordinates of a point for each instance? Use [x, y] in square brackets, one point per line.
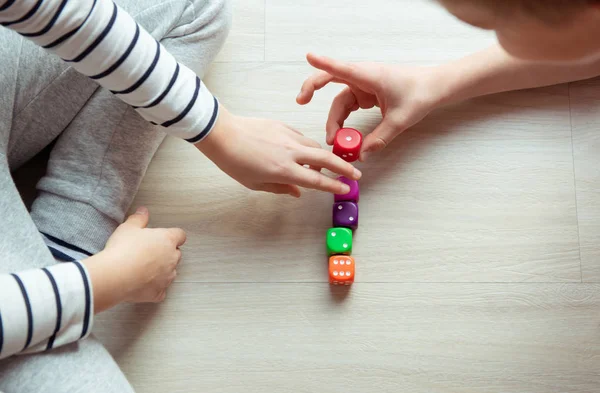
[44, 308]
[103, 42]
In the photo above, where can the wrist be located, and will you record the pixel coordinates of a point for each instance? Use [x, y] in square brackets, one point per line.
[217, 137]
[445, 85]
[109, 282]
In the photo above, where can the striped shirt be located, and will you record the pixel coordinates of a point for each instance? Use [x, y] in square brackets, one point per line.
[41, 309]
[44, 308]
[102, 41]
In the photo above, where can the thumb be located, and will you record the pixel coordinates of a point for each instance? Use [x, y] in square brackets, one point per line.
[140, 218]
[377, 140]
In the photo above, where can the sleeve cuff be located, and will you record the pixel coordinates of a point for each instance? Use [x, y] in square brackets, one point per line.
[209, 127]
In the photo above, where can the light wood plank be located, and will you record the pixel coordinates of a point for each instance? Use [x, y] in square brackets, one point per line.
[246, 41]
[404, 31]
[585, 101]
[478, 192]
[533, 338]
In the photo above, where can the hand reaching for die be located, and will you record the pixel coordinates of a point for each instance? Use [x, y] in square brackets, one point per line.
[405, 95]
[267, 155]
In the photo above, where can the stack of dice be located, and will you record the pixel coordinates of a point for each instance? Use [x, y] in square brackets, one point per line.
[347, 144]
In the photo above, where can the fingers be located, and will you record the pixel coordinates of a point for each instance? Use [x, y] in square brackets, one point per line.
[325, 159]
[341, 107]
[282, 189]
[309, 178]
[140, 218]
[306, 141]
[378, 139]
[342, 70]
[312, 84]
[177, 235]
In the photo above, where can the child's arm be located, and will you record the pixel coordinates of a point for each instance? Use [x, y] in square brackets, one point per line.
[102, 41]
[495, 71]
[406, 95]
[41, 309]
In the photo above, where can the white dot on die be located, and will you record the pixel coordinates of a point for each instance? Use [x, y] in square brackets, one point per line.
[343, 155]
[348, 263]
[333, 234]
[348, 138]
[335, 262]
[350, 154]
[348, 274]
[351, 218]
[345, 245]
[347, 283]
[340, 207]
[335, 273]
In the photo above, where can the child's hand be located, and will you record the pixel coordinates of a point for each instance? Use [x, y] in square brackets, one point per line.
[147, 258]
[267, 155]
[405, 96]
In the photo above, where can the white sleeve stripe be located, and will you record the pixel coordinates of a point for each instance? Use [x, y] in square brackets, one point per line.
[28, 15]
[188, 108]
[143, 78]
[28, 309]
[88, 306]
[50, 24]
[58, 308]
[122, 58]
[209, 126]
[98, 40]
[71, 33]
[6, 5]
[164, 93]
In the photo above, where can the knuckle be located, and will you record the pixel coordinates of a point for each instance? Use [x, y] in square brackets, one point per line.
[317, 181]
[379, 144]
[280, 170]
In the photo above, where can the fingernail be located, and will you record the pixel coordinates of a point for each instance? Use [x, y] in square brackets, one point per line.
[345, 189]
[357, 174]
[141, 210]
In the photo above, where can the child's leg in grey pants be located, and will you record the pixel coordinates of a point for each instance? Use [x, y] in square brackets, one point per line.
[94, 170]
[82, 367]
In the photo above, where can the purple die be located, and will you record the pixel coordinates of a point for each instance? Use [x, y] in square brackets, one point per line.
[353, 195]
[345, 215]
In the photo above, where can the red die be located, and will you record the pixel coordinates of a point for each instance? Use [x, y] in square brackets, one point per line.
[347, 144]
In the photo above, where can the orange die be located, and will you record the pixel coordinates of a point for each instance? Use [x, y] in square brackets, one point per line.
[341, 270]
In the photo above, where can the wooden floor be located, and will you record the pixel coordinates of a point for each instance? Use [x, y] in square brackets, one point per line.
[478, 255]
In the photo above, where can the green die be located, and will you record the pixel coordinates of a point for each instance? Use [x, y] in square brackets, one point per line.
[339, 241]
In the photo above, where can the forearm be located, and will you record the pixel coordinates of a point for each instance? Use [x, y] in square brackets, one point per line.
[41, 309]
[103, 42]
[494, 71]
